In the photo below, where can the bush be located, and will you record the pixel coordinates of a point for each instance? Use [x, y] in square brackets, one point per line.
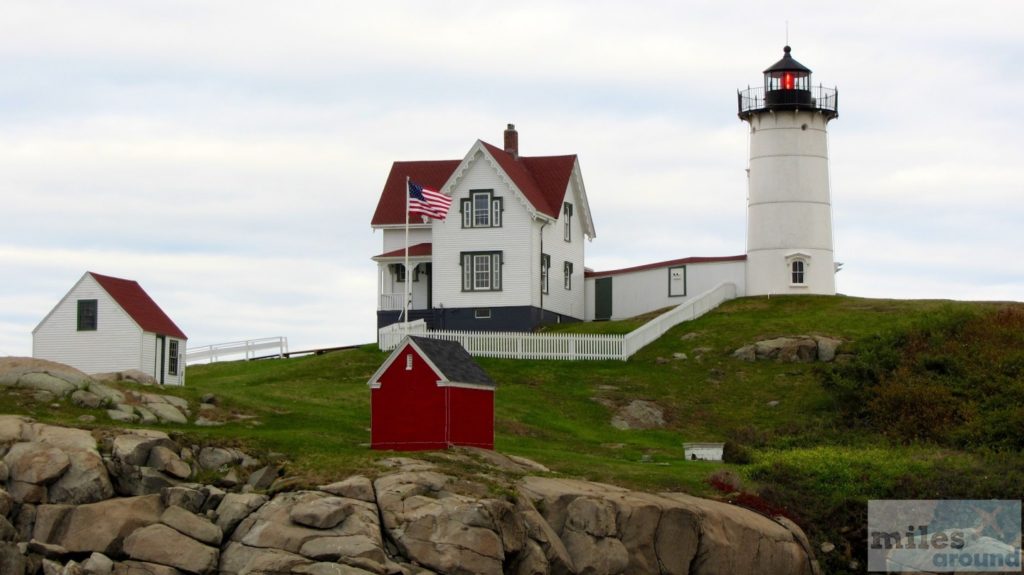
[733, 452]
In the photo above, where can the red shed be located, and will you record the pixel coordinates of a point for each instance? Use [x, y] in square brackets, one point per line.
[431, 394]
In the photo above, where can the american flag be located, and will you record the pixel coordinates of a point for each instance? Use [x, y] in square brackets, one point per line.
[430, 203]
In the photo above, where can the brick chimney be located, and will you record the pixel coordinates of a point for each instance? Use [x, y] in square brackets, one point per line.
[512, 141]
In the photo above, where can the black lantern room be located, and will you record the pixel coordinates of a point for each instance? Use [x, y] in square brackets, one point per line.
[787, 86]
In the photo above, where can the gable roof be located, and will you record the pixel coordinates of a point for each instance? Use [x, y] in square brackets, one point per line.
[138, 305]
[543, 180]
[451, 362]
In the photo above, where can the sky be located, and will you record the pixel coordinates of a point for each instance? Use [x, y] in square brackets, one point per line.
[228, 155]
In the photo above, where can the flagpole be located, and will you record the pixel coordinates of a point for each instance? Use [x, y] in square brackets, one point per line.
[405, 304]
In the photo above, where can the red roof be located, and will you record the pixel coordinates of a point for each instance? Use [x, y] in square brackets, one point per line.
[542, 179]
[669, 263]
[418, 250]
[139, 306]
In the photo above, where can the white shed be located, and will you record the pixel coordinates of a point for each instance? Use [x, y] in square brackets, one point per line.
[703, 451]
[109, 324]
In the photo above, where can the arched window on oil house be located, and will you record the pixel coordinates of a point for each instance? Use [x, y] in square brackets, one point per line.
[797, 268]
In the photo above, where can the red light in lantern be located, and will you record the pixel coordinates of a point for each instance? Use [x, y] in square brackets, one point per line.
[787, 81]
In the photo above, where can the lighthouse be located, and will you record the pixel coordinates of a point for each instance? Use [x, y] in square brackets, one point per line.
[789, 208]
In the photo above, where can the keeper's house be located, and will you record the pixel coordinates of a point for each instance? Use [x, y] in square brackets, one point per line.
[508, 257]
[431, 394]
[109, 324]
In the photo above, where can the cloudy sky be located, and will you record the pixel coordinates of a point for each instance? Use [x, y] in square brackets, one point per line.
[228, 155]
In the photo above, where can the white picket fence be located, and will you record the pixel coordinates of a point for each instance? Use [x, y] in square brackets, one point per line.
[247, 349]
[565, 346]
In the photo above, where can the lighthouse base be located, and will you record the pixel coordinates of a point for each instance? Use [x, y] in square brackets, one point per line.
[790, 271]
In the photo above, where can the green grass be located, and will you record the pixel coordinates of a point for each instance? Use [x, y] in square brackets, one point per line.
[808, 456]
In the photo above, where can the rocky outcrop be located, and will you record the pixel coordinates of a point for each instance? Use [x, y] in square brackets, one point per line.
[795, 349]
[639, 414]
[412, 518]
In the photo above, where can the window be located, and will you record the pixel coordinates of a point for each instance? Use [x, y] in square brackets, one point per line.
[482, 313]
[798, 271]
[481, 271]
[86, 315]
[399, 270]
[567, 268]
[481, 210]
[567, 212]
[408, 362]
[172, 357]
[545, 273]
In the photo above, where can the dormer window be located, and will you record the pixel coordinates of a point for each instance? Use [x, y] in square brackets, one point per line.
[481, 210]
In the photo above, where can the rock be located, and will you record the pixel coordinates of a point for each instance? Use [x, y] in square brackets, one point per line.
[167, 461]
[215, 458]
[679, 356]
[235, 507]
[36, 463]
[139, 377]
[188, 497]
[214, 496]
[827, 547]
[143, 568]
[107, 394]
[453, 533]
[178, 402]
[356, 551]
[239, 558]
[263, 478]
[131, 480]
[229, 479]
[122, 416]
[746, 353]
[47, 550]
[4, 470]
[639, 414]
[46, 382]
[187, 523]
[167, 413]
[165, 546]
[83, 398]
[98, 564]
[355, 487]
[209, 398]
[12, 561]
[202, 421]
[26, 492]
[24, 521]
[96, 527]
[7, 531]
[6, 502]
[661, 360]
[320, 513]
[133, 448]
[827, 347]
[329, 569]
[146, 417]
[87, 418]
[86, 480]
[773, 403]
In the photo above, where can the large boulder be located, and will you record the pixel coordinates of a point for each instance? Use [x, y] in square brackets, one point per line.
[355, 487]
[187, 523]
[163, 545]
[442, 530]
[96, 527]
[667, 533]
[639, 414]
[235, 507]
[36, 463]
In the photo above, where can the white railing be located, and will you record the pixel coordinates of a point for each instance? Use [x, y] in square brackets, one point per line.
[686, 311]
[391, 301]
[388, 337]
[247, 349]
[565, 346]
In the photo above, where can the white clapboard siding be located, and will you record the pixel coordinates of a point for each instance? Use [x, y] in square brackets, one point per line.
[394, 238]
[512, 238]
[115, 345]
[572, 302]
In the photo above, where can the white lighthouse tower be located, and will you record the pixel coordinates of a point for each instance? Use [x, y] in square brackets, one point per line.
[789, 209]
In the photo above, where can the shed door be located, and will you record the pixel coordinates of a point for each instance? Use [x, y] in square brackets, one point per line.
[161, 358]
[602, 298]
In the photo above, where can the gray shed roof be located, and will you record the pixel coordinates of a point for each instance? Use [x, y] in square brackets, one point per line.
[454, 362]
